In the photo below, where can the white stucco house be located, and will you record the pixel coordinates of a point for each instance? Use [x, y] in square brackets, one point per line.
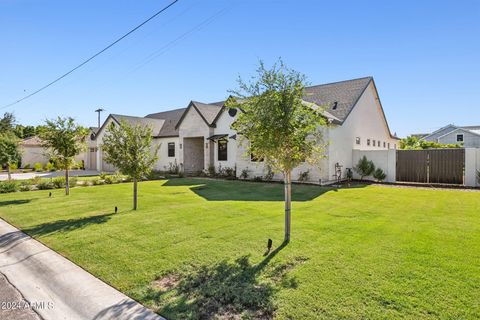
[467, 136]
[200, 135]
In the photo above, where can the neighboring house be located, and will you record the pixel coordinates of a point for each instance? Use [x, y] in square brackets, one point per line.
[200, 136]
[33, 152]
[468, 136]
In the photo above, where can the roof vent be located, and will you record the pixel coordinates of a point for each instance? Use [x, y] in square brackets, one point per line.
[335, 104]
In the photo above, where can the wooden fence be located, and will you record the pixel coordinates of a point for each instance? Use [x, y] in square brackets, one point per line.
[445, 166]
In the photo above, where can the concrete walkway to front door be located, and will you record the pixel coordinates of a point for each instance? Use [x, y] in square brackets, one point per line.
[58, 288]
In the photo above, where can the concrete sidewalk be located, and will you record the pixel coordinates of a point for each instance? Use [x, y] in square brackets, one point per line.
[58, 288]
[54, 174]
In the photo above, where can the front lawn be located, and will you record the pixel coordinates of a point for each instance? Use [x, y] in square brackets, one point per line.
[195, 248]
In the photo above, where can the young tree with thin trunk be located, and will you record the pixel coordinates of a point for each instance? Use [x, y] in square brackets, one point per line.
[129, 148]
[9, 151]
[63, 139]
[276, 125]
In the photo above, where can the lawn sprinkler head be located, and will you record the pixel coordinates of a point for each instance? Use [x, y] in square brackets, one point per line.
[269, 244]
[49, 194]
[116, 209]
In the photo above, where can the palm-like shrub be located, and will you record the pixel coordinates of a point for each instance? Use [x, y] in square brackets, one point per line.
[379, 174]
[364, 167]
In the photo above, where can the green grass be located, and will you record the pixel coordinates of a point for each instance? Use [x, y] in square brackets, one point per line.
[366, 252]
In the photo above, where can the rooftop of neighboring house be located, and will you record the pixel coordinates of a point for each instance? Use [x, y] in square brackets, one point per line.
[33, 141]
[449, 128]
[338, 99]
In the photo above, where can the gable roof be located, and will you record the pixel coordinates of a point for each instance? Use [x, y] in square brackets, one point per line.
[208, 112]
[32, 141]
[338, 97]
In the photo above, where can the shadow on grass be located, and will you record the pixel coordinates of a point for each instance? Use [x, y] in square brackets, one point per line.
[14, 202]
[221, 190]
[66, 225]
[226, 290]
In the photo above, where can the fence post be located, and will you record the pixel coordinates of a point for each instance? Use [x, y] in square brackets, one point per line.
[470, 167]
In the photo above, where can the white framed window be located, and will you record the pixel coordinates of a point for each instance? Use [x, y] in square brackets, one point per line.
[460, 137]
[368, 142]
[384, 144]
[357, 140]
[374, 143]
[171, 149]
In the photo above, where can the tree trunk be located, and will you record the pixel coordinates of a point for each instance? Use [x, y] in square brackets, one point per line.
[9, 174]
[288, 204]
[67, 183]
[135, 193]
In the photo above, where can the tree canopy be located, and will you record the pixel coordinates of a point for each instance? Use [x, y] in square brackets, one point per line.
[64, 139]
[129, 148]
[414, 143]
[275, 123]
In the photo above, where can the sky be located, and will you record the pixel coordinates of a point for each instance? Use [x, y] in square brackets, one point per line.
[423, 55]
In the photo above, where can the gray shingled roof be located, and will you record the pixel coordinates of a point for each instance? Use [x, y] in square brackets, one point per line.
[155, 124]
[344, 94]
[208, 111]
[171, 119]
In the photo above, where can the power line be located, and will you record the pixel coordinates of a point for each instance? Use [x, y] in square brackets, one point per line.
[92, 57]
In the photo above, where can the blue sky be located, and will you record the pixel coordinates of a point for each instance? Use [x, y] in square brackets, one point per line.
[424, 55]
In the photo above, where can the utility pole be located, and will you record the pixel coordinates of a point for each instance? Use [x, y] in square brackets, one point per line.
[99, 110]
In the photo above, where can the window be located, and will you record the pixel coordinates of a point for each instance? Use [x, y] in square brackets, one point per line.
[459, 137]
[384, 144]
[374, 143]
[171, 149]
[357, 140]
[368, 142]
[222, 150]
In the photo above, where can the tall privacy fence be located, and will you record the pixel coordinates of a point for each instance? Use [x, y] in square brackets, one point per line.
[434, 166]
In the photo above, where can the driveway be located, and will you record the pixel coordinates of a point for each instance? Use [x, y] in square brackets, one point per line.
[57, 287]
[29, 175]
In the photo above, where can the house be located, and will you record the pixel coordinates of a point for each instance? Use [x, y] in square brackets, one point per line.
[468, 136]
[200, 136]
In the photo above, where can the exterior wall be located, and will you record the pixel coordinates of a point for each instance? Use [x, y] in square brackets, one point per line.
[383, 159]
[164, 161]
[101, 164]
[193, 126]
[470, 140]
[366, 122]
[224, 123]
[32, 155]
[472, 166]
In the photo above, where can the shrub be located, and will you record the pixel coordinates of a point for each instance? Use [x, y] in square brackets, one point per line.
[13, 166]
[379, 175]
[111, 179]
[8, 186]
[73, 181]
[38, 167]
[35, 180]
[258, 178]
[50, 166]
[349, 174]
[58, 182]
[27, 166]
[364, 167]
[304, 175]
[269, 175]
[173, 167]
[25, 185]
[478, 176]
[211, 171]
[45, 185]
[97, 182]
[230, 173]
[103, 175]
[244, 173]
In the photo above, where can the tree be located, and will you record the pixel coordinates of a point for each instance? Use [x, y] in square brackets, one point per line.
[129, 148]
[64, 139]
[413, 143]
[9, 151]
[364, 167]
[7, 123]
[276, 125]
